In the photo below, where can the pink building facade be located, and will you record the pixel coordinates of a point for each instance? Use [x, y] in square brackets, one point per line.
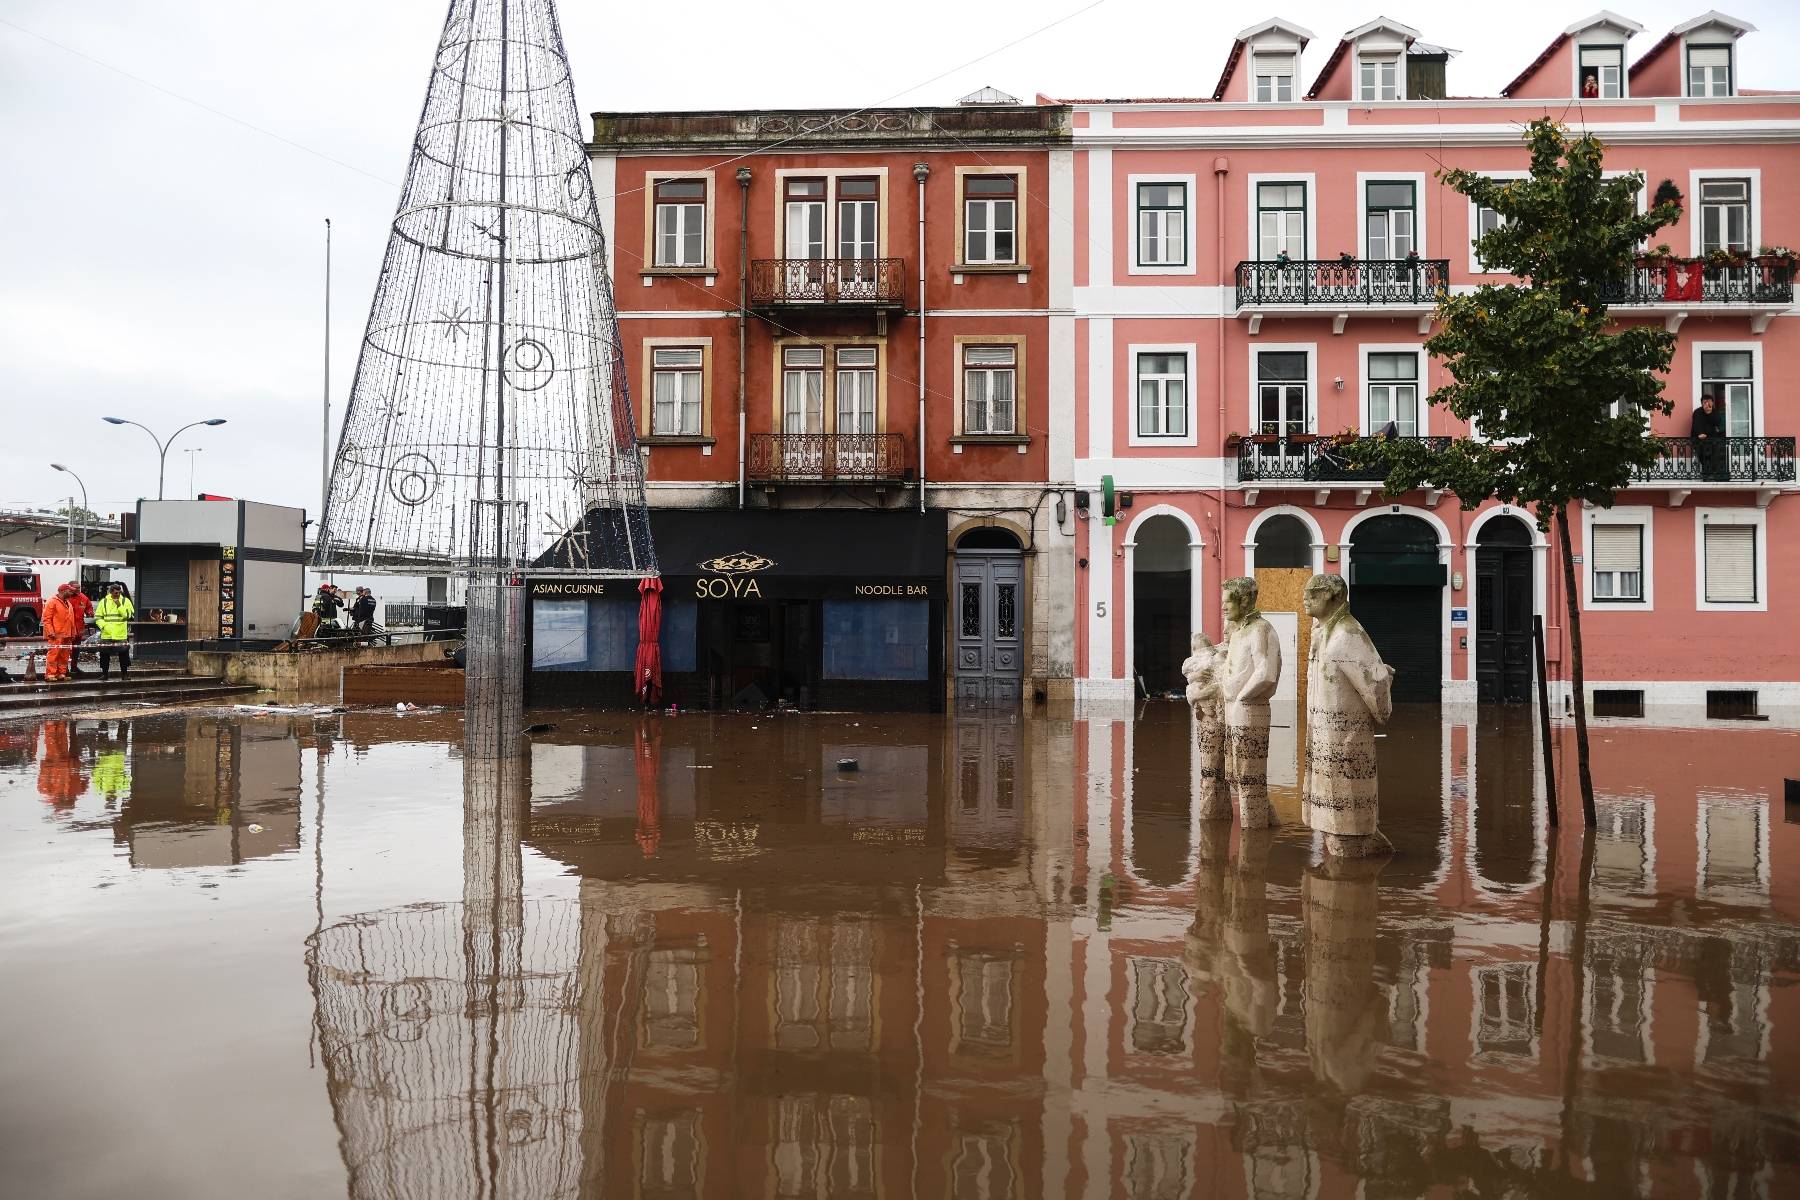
[1254, 272]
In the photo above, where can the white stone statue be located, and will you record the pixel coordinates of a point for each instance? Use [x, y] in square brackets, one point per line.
[1203, 671]
[1349, 691]
[1252, 671]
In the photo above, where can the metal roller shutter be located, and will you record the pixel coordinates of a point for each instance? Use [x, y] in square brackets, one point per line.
[1406, 625]
[1731, 564]
[162, 579]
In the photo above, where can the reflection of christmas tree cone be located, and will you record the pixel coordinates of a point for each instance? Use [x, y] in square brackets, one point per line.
[1343, 1007]
[1249, 960]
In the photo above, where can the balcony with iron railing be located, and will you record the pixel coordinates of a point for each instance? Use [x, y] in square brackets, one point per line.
[1765, 281]
[1310, 458]
[868, 283]
[1756, 461]
[1310, 283]
[828, 458]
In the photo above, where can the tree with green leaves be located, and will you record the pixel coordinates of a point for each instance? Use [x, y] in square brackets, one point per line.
[1561, 396]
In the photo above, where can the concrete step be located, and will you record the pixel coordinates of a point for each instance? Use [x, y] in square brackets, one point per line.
[160, 691]
[138, 679]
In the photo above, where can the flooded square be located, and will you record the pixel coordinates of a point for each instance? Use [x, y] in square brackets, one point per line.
[987, 955]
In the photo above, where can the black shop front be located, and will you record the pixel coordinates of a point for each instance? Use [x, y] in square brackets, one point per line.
[821, 609]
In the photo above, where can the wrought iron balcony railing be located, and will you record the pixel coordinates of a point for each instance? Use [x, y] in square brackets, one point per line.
[1311, 459]
[828, 458]
[1409, 281]
[1759, 281]
[868, 282]
[1734, 460]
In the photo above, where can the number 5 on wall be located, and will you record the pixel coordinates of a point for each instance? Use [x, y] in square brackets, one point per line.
[1099, 608]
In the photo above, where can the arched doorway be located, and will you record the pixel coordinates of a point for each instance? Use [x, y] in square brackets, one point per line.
[988, 603]
[1161, 602]
[1396, 591]
[1503, 591]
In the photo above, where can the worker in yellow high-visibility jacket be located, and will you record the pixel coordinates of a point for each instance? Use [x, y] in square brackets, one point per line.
[114, 616]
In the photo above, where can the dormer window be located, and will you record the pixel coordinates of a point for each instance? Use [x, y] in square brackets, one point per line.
[1709, 70]
[1274, 78]
[1602, 72]
[1379, 79]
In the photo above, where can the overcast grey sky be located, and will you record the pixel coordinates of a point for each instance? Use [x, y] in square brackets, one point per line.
[163, 263]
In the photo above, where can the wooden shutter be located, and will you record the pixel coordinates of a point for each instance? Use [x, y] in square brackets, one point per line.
[1618, 548]
[1731, 564]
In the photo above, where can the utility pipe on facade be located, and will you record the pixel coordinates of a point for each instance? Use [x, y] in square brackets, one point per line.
[1221, 168]
[743, 179]
[920, 172]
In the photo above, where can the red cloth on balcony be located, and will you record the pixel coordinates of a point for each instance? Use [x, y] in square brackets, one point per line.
[1681, 281]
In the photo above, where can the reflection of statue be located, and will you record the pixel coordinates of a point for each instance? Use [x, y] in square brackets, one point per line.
[1202, 671]
[1252, 669]
[1348, 693]
[1204, 949]
[1343, 1009]
[1249, 960]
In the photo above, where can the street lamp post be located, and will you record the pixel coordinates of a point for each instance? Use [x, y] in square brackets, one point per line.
[162, 447]
[83, 514]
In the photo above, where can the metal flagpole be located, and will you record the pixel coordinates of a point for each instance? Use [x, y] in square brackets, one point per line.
[325, 439]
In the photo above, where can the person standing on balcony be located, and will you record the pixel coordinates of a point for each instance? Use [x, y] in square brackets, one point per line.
[1709, 438]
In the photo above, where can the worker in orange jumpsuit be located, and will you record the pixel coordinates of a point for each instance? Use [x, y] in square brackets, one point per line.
[62, 628]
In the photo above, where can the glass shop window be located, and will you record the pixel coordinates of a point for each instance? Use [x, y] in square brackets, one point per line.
[877, 639]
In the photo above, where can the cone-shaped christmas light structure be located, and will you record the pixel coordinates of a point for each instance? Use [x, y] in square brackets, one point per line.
[489, 426]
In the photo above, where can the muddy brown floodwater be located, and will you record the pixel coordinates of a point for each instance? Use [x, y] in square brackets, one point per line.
[249, 955]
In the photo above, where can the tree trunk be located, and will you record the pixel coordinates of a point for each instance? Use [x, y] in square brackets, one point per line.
[1577, 681]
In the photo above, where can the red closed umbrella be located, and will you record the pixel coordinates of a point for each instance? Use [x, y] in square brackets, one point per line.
[647, 680]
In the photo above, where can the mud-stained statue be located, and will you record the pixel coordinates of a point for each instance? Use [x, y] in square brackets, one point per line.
[1349, 691]
[1203, 670]
[1252, 670]
[1345, 1013]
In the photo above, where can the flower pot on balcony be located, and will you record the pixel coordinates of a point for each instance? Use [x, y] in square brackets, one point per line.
[1302, 439]
[1265, 439]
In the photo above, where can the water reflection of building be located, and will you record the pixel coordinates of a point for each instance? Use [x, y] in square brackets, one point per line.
[204, 790]
[1626, 1027]
[937, 975]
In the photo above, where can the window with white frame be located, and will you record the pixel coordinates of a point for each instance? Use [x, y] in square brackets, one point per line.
[681, 223]
[1162, 224]
[1724, 215]
[1280, 220]
[1159, 1005]
[1162, 389]
[990, 219]
[1618, 563]
[1624, 845]
[1486, 221]
[1601, 72]
[1728, 376]
[803, 389]
[803, 218]
[1618, 999]
[1379, 80]
[1281, 399]
[1274, 77]
[1504, 996]
[1729, 570]
[1391, 218]
[1394, 393]
[1734, 847]
[676, 391]
[855, 389]
[1709, 70]
[990, 389]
